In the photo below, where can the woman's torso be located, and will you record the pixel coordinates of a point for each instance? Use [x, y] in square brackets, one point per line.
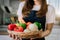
[33, 18]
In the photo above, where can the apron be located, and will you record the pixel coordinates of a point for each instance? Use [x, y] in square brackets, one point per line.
[33, 18]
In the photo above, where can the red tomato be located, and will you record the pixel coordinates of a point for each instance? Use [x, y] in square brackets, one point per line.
[16, 30]
[19, 29]
[11, 26]
[28, 23]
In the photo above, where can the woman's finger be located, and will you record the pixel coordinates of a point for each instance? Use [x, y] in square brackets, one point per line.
[13, 36]
[40, 31]
[16, 37]
[10, 35]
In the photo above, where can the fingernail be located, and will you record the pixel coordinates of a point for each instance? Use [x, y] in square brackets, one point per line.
[13, 36]
[10, 35]
[16, 37]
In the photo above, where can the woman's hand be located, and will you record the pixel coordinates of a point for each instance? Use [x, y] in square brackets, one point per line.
[40, 33]
[47, 31]
[13, 36]
[21, 20]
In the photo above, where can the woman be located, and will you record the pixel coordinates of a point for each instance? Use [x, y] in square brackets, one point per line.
[37, 10]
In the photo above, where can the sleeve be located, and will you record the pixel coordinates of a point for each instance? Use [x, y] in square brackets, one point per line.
[50, 16]
[19, 12]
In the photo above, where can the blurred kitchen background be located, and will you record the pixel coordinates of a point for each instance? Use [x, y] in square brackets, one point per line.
[8, 10]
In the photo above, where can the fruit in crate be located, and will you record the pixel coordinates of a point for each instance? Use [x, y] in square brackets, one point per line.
[19, 29]
[11, 26]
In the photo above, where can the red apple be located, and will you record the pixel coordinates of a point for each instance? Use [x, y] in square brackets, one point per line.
[11, 26]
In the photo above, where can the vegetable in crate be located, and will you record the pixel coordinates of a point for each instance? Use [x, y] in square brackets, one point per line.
[28, 23]
[27, 30]
[19, 29]
[22, 25]
[33, 27]
[17, 24]
[11, 26]
[38, 25]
